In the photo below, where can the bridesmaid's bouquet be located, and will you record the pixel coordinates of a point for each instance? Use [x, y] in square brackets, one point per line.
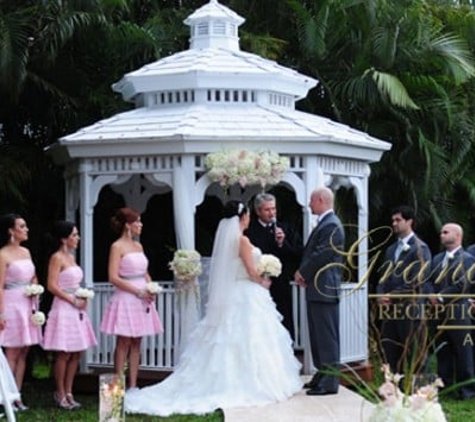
[38, 318]
[186, 265]
[154, 288]
[83, 293]
[34, 290]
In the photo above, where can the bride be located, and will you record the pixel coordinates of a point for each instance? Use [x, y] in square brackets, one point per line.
[239, 354]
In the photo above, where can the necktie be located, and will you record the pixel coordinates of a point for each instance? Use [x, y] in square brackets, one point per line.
[400, 245]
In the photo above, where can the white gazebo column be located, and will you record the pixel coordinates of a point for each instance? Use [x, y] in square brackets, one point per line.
[72, 193]
[313, 179]
[86, 222]
[187, 295]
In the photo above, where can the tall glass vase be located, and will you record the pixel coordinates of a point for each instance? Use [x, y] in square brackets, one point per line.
[111, 398]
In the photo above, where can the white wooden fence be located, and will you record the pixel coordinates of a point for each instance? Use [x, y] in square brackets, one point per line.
[159, 353]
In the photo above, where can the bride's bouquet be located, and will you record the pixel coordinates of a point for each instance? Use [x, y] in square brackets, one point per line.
[186, 265]
[269, 265]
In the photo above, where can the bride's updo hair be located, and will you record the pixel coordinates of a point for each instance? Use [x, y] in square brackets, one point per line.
[233, 208]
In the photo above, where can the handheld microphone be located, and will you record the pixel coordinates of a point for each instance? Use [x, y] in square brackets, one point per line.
[273, 222]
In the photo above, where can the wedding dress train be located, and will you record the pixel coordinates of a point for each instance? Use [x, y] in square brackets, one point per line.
[240, 355]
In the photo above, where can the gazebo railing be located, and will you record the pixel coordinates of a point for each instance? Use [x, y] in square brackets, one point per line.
[159, 352]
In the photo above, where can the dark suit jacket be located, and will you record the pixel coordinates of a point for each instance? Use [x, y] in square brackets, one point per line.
[324, 249]
[289, 253]
[455, 277]
[471, 249]
[398, 280]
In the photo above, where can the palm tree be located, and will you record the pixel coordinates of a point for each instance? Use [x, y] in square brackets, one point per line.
[391, 69]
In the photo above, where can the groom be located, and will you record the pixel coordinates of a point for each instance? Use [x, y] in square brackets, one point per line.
[320, 272]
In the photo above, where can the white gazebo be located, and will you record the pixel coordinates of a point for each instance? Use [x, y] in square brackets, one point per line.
[208, 98]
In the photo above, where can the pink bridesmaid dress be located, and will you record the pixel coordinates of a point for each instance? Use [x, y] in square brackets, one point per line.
[126, 314]
[18, 307]
[68, 329]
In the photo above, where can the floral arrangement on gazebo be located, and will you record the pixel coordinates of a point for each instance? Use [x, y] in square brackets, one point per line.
[246, 167]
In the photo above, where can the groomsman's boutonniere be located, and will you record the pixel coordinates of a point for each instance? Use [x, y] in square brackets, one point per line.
[406, 247]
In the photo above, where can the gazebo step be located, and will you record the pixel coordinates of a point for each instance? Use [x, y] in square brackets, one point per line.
[357, 371]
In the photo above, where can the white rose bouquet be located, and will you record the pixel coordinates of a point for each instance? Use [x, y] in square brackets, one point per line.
[38, 318]
[154, 288]
[186, 265]
[83, 293]
[34, 290]
[269, 265]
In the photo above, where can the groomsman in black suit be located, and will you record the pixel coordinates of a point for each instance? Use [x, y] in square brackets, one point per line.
[321, 273]
[406, 262]
[276, 238]
[451, 277]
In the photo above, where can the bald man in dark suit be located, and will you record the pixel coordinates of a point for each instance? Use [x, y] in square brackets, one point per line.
[321, 273]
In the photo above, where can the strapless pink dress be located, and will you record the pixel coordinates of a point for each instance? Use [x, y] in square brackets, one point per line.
[18, 307]
[68, 329]
[126, 314]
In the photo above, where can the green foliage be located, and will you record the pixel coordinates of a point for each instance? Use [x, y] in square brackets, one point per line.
[402, 71]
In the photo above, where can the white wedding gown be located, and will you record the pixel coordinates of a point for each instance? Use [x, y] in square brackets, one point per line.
[244, 359]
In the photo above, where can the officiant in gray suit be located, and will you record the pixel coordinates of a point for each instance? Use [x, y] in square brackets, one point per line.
[320, 272]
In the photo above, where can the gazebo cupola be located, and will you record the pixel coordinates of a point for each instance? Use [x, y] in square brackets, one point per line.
[214, 26]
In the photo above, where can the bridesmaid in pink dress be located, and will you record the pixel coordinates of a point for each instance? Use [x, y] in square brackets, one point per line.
[68, 329]
[130, 313]
[17, 331]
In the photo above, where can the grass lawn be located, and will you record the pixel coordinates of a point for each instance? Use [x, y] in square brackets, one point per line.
[38, 395]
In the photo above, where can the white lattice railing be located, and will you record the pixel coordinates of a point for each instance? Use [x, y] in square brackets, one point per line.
[160, 352]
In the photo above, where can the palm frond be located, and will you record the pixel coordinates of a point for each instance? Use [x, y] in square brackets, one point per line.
[390, 86]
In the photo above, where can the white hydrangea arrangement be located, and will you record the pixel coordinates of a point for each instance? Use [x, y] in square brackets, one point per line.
[269, 265]
[246, 167]
[186, 265]
[34, 290]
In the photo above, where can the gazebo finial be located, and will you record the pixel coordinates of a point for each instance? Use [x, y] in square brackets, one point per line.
[214, 25]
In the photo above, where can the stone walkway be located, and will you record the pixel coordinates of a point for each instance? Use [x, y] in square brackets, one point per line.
[342, 407]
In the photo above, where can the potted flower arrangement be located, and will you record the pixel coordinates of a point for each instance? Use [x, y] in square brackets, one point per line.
[186, 267]
[422, 405]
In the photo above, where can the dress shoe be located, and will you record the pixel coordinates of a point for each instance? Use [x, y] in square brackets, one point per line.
[318, 391]
[466, 395]
[313, 382]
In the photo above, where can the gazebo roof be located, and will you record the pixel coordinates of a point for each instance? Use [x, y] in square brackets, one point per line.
[215, 96]
[206, 128]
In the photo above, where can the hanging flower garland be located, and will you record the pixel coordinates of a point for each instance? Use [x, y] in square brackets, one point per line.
[246, 167]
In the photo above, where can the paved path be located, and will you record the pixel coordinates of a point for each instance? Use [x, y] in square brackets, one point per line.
[342, 407]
